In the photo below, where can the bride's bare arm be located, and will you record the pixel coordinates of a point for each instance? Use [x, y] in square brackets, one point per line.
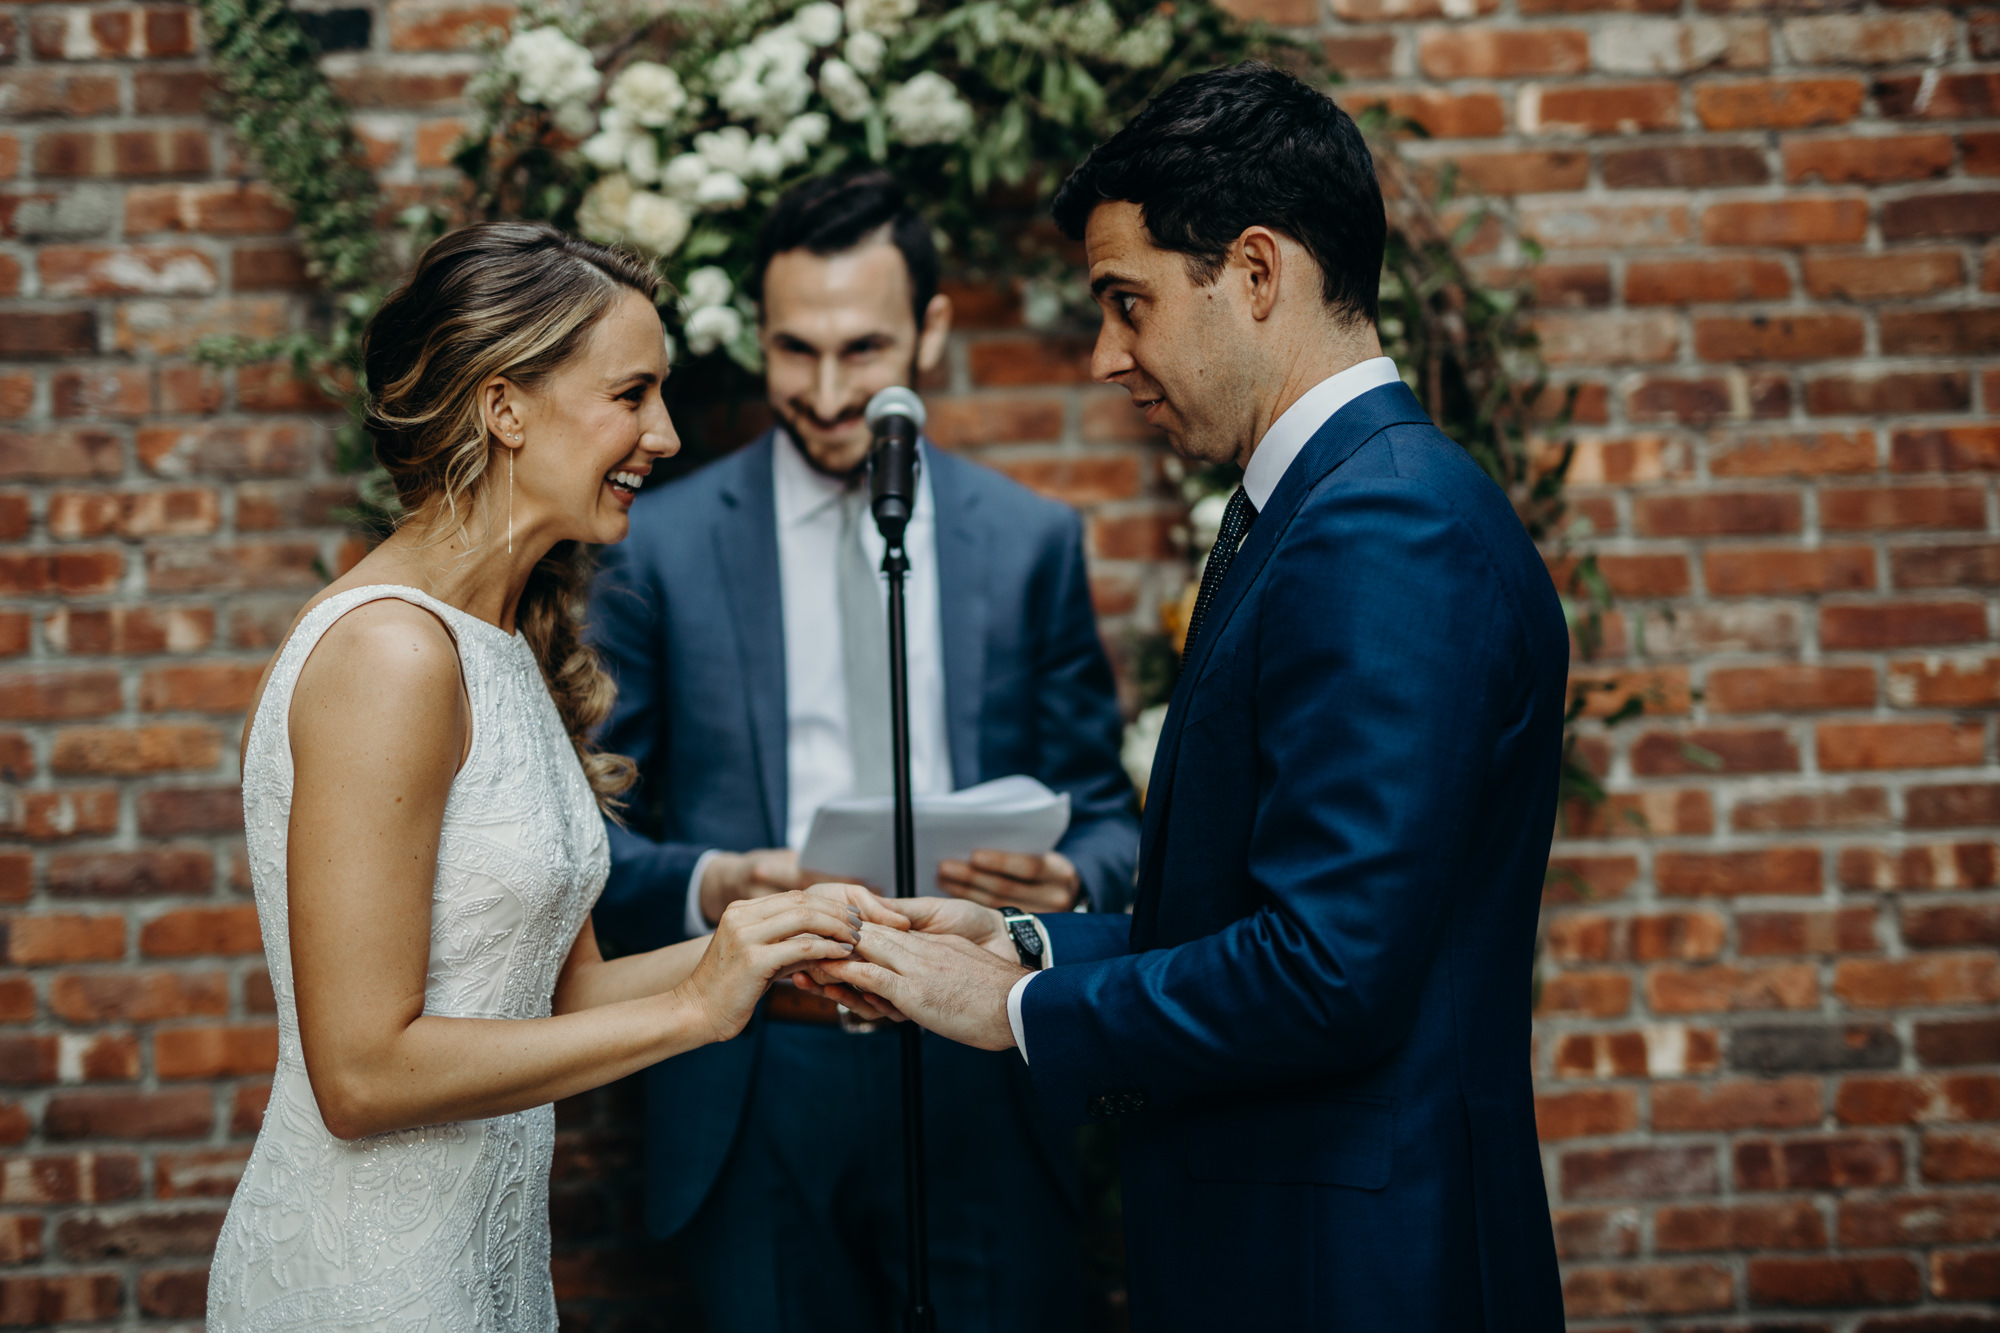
[379, 725]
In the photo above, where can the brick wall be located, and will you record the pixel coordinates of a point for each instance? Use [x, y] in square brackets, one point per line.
[1769, 1062]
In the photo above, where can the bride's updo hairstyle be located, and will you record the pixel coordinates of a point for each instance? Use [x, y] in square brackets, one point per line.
[514, 299]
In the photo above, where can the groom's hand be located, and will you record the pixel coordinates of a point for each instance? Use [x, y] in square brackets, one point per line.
[731, 876]
[947, 983]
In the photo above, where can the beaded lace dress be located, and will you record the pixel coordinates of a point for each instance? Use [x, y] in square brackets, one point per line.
[445, 1227]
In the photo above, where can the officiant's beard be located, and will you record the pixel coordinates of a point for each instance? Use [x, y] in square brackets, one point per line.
[790, 412]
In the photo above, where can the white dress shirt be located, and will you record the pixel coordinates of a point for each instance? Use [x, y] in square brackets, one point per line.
[819, 765]
[1269, 462]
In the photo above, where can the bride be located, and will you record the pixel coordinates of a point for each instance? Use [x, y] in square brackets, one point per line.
[422, 805]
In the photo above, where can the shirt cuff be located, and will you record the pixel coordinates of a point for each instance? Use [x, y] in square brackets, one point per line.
[1014, 995]
[692, 920]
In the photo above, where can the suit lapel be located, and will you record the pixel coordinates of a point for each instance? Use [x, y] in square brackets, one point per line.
[746, 550]
[962, 608]
[1331, 445]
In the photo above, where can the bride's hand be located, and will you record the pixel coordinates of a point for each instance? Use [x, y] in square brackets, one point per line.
[757, 941]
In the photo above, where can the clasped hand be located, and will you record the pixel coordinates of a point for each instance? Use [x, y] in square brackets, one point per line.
[949, 969]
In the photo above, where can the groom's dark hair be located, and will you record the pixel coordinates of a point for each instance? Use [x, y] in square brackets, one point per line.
[1244, 146]
[829, 215]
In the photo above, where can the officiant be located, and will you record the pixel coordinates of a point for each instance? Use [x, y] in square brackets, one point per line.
[744, 624]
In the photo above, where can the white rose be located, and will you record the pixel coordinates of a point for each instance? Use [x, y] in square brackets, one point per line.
[707, 286]
[656, 222]
[818, 23]
[601, 215]
[711, 327]
[742, 96]
[786, 92]
[724, 149]
[844, 91]
[642, 159]
[927, 109]
[684, 175]
[864, 51]
[806, 132]
[550, 69]
[883, 16]
[575, 119]
[765, 160]
[783, 48]
[721, 190]
[648, 92]
[605, 150]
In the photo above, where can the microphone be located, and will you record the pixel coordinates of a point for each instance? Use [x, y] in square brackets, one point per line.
[895, 418]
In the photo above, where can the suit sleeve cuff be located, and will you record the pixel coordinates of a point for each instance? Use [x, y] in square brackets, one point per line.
[692, 920]
[1014, 995]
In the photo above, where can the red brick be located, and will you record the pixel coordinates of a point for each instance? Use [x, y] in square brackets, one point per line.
[1939, 682]
[1781, 1103]
[1598, 108]
[189, 389]
[1080, 481]
[1818, 1164]
[114, 391]
[1664, 753]
[959, 422]
[1901, 624]
[1854, 509]
[1919, 1220]
[1582, 938]
[1590, 1293]
[1845, 930]
[1586, 1113]
[197, 931]
[1807, 220]
[171, 92]
[1959, 565]
[156, 871]
[203, 687]
[61, 937]
[65, 573]
[1784, 104]
[1852, 745]
[1132, 536]
[1716, 514]
[273, 387]
[1759, 571]
[137, 997]
[1572, 224]
[183, 1113]
[14, 633]
[1658, 813]
[20, 1239]
[1974, 865]
[269, 268]
[1874, 160]
[1598, 994]
[39, 93]
[1966, 1275]
[1442, 115]
[1926, 981]
[1597, 461]
[463, 27]
[1590, 878]
[174, 1294]
[223, 208]
[1963, 214]
[17, 1000]
[1687, 936]
[374, 88]
[220, 567]
[57, 455]
[1831, 1282]
[131, 270]
[1634, 575]
[262, 450]
[1961, 1158]
[130, 629]
[1789, 1224]
[60, 1298]
[1808, 455]
[1683, 167]
[1638, 1173]
[1776, 870]
[1870, 277]
[132, 751]
[246, 1112]
[70, 812]
[1361, 56]
[1951, 449]
[1956, 331]
[215, 1052]
[1777, 337]
[206, 1174]
[1966, 96]
[1501, 53]
[1729, 988]
[1523, 172]
[1952, 1043]
[147, 152]
[1789, 688]
[1850, 39]
[1703, 281]
[17, 758]
[1596, 1233]
[17, 396]
[1982, 153]
[1661, 1050]
[1929, 1100]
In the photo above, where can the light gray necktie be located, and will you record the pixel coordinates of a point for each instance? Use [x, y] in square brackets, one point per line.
[864, 651]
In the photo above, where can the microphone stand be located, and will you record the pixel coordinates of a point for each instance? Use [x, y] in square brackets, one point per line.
[893, 468]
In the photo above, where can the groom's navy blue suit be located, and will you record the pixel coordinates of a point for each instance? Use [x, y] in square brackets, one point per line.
[1316, 1027]
[687, 615]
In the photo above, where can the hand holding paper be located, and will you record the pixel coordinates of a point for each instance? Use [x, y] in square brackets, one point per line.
[1016, 817]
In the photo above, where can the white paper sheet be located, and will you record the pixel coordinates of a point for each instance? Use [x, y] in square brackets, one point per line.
[854, 838]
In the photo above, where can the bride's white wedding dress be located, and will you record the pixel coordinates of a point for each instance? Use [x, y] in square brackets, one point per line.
[445, 1227]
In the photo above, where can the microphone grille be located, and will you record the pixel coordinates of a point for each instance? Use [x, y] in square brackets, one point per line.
[896, 402]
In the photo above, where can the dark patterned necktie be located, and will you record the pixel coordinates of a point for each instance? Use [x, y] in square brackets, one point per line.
[1236, 521]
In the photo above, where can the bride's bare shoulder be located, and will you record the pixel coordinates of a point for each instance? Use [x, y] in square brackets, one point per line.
[385, 664]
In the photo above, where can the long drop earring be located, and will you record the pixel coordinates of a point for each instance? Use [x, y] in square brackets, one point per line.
[510, 500]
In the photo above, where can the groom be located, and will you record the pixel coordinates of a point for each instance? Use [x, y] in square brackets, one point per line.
[1315, 1027]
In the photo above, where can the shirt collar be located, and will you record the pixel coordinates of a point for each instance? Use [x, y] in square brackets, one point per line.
[1302, 420]
[803, 491]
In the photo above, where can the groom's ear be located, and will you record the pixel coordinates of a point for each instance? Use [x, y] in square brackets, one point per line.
[1259, 256]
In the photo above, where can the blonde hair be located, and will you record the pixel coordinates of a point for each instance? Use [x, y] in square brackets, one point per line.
[513, 299]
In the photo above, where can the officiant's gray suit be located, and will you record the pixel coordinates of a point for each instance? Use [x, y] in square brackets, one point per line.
[687, 616]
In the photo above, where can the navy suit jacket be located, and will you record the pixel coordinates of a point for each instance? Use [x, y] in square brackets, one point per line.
[1317, 1025]
[687, 617]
